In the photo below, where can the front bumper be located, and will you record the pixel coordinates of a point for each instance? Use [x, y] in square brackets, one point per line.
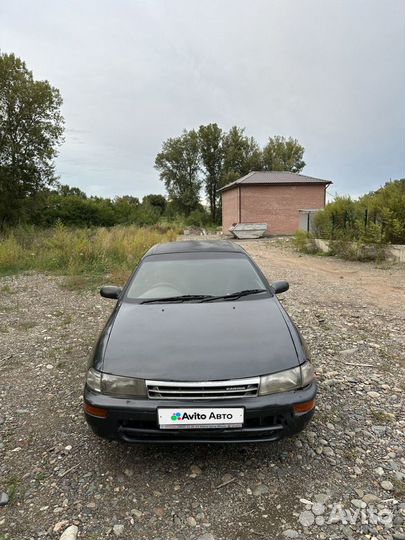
[267, 418]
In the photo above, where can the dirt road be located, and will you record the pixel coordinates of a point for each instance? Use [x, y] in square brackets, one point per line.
[56, 473]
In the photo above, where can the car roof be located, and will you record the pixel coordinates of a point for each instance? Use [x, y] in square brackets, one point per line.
[192, 246]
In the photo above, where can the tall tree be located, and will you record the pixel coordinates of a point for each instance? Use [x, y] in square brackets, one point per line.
[241, 155]
[156, 201]
[179, 164]
[211, 140]
[31, 128]
[281, 154]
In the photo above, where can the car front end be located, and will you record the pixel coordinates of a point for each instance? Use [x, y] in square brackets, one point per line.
[255, 409]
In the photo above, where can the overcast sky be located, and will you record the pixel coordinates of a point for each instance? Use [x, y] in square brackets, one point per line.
[133, 73]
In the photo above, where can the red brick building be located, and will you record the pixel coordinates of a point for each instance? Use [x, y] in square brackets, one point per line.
[271, 197]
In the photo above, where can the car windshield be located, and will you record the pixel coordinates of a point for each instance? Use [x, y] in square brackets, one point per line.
[201, 274]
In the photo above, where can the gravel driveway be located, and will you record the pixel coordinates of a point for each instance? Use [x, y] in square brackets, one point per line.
[341, 478]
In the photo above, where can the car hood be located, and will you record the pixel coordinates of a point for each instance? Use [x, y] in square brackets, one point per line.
[199, 341]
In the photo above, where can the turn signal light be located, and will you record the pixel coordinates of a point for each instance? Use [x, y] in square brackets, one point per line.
[304, 407]
[95, 411]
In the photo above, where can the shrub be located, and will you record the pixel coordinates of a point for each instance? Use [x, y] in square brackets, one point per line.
[304, 242]
[357, 251]
[377, 217]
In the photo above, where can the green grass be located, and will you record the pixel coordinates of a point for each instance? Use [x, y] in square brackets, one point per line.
[12, 488]
[84, 255]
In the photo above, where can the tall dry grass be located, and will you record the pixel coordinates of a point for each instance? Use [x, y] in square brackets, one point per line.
[79, 252]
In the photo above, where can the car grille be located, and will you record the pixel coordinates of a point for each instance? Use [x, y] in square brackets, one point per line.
[237, 388]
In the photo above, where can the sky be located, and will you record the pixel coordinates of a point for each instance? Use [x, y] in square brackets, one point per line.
[132, 73]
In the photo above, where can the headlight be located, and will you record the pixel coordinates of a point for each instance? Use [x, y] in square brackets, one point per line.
[93, 380]
[115, 385]
[286, 380]
[307, 373]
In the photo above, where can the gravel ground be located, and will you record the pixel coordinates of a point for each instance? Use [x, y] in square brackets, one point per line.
[343, 477]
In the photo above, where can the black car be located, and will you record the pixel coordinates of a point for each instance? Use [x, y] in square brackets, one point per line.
[198, 349]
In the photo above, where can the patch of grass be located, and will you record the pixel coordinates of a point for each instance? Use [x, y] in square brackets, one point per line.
[350, 453]
[399, 488]
[12, 485]
[40, 476]
[85, 255]
[305, 243]
[382, 417]
[27, 325]
[6, 289]
[67, 320]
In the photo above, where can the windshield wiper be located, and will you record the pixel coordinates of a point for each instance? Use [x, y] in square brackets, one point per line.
[181, 298]
[234, 295]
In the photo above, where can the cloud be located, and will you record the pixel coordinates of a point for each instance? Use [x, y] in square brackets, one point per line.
[133, 73]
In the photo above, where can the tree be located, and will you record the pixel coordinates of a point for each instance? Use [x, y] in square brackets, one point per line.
[281, 154]
[179, 164]
[65, 191]
[157, 202]
[31, 127]
[211, 140]
[241, 155]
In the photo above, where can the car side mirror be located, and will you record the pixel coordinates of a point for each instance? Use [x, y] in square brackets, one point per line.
[280, 286]
[110, 291]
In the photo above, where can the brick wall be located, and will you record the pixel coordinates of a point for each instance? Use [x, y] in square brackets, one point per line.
[230, 208]
[276, 205]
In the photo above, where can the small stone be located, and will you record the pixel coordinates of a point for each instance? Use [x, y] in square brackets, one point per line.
[261, 489]
[3, 498]
[370, 498]
[348, 352]
[306, 518]
[136, 513]
[159, 511]
[191, 521]
[320, 520]
[373, 395]
[290, 533]
[58, 526]
[318, 509]
[70, 533]
[328, 451]
[321, 498]
[195, 469]
[68, 448]
[128, 472]
[358, 503]
[226, 478]
[49, 366]
[206, 536]
[387, 485]
[118, 529]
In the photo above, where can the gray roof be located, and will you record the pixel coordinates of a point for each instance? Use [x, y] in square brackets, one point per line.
[194, 245]
[275, 177]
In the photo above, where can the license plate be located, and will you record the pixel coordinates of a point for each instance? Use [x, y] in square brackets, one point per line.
[200, 418]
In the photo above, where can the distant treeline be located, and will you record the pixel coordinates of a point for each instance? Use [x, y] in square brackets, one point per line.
[72, 207]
